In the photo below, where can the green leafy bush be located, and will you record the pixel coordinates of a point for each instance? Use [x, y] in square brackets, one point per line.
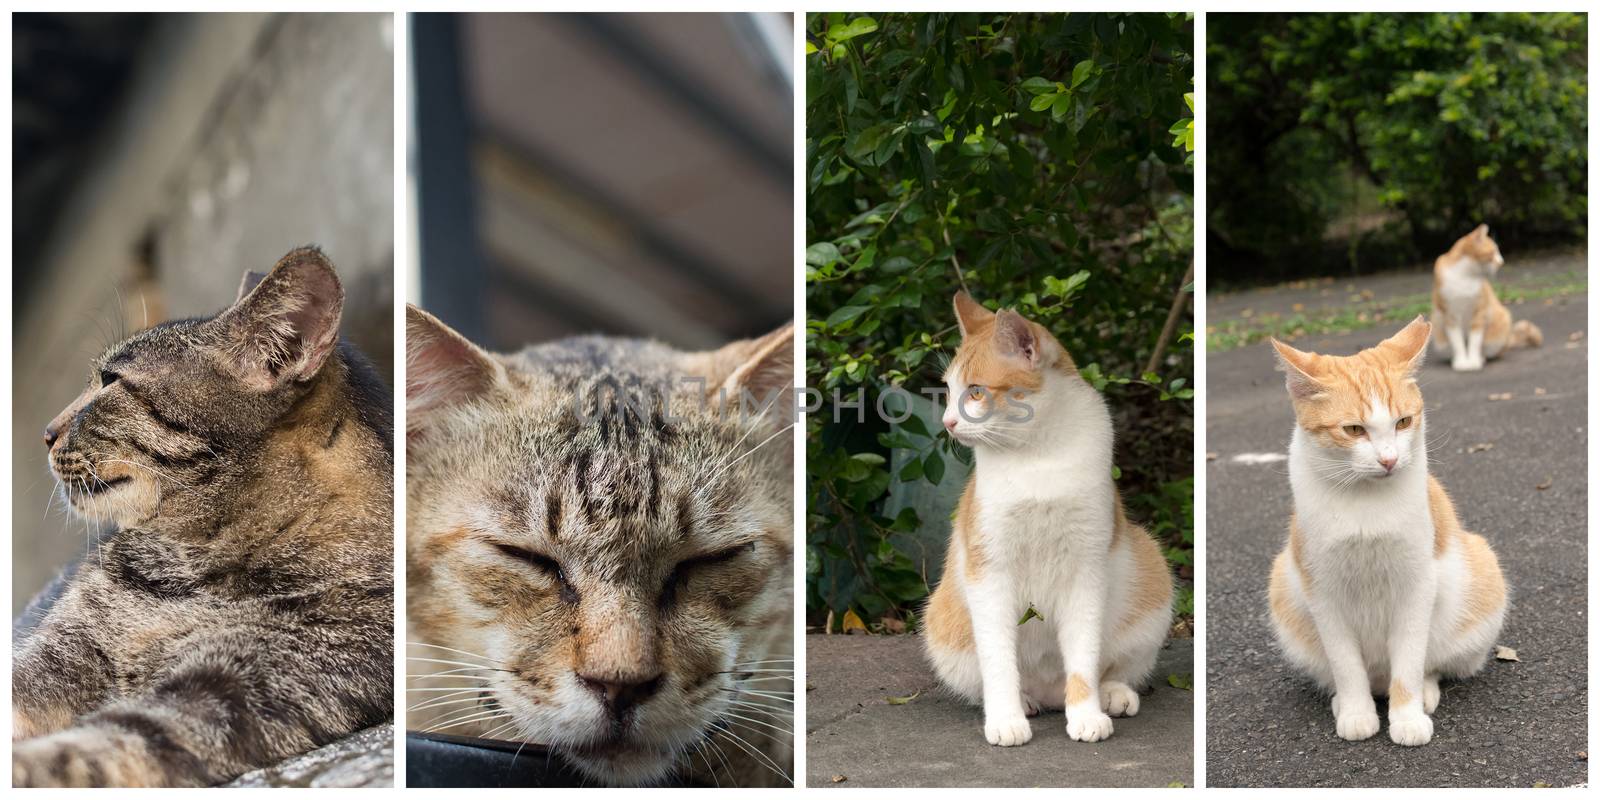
[1403, 129]
[1043, 161]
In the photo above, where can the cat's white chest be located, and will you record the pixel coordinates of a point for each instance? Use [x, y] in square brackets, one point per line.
[1460, 289]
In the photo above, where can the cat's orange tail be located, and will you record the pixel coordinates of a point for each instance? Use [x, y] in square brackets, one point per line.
[1526, 334]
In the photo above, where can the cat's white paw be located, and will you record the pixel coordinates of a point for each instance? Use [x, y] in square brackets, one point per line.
[1356, 726]
[1430, 694]
[1355, 718]
[1411, 730]
[1088, 726]
[1118, 699]
[1008, 731]
[1465, 364]
[1030, 706]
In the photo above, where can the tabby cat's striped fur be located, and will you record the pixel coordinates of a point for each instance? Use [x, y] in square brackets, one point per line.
[242, 611]
[610, 581]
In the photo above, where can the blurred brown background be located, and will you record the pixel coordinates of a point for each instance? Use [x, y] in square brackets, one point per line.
[157, 157]
[628, 174]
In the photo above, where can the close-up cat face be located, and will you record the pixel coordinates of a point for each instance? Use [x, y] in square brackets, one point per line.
[161, 407]
[1365, 411]
[617, 576]
[994, 379]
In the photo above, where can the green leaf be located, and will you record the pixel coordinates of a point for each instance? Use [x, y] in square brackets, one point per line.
[1061, 105]
[822, 254]
[933, 467]
[1042, 102]
[860, 26]
[1038, 85]
[900, 701]
[1031, 613]
[1082, 72]
[843, 315]
[912, 470]
[1185, 682]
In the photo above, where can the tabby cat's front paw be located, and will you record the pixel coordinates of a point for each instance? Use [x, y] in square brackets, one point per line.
[58, 761]
[1007, 731]
[1088, 726]
[1411, 730]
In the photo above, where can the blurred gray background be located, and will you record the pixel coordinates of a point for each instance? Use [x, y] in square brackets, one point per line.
[157, 157]
[629, 174]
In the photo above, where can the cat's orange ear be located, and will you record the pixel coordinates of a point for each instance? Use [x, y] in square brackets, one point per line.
[1015, 337]
[1408, 348]
[1481, 231]
[1299, 369]
[443, 369]
[283, 326]
[970, 314]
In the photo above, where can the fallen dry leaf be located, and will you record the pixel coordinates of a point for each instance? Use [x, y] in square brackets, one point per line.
[1480, 446]
[838, 779]
[1298, 306]
[852, 623]
[892, 625]
[1503, 653]
[827, 626]
[1538, 391]
[1545, 484]
[1576, 336]
[900, 701]
[1211, 456]
[1498, 396]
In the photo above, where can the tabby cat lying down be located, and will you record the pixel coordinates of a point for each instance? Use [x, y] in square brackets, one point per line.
[242, 611]
[609, 580]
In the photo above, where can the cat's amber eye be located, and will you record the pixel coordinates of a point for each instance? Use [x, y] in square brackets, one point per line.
[1355, 430]
[976, 392]
[107, 377]
[1402, 424]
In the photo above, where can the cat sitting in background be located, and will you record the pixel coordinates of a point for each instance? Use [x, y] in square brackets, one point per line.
[1040, 526]
[601, 570]
[243, 610]
[1470, 324]
[1379, 589]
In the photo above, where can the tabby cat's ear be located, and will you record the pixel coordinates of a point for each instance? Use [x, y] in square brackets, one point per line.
[1408, 348]
[283, 327]
[754, 368]
[248, 282]
[970, 314]
[443, 369]
[1299, 367]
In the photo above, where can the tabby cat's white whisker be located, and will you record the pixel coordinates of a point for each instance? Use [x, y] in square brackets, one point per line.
[455, 663]
[454, 650]
[746, 746]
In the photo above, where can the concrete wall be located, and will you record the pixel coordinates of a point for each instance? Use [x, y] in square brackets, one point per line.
[244, 135]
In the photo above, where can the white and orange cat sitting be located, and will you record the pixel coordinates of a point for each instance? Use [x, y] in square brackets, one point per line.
[1379, 589]
[1470, 324]
[1040, 525]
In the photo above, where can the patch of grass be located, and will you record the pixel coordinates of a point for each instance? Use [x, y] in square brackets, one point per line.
[1242, 331]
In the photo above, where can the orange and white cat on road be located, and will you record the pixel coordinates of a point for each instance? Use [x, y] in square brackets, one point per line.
[1040, 526]
[1470, 324]
[1379, 589]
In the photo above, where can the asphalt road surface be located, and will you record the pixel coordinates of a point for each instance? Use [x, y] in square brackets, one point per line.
[1517, 470]
[856, 737]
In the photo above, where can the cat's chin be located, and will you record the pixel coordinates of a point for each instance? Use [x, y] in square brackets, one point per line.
[623, 763]
[100, 502]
